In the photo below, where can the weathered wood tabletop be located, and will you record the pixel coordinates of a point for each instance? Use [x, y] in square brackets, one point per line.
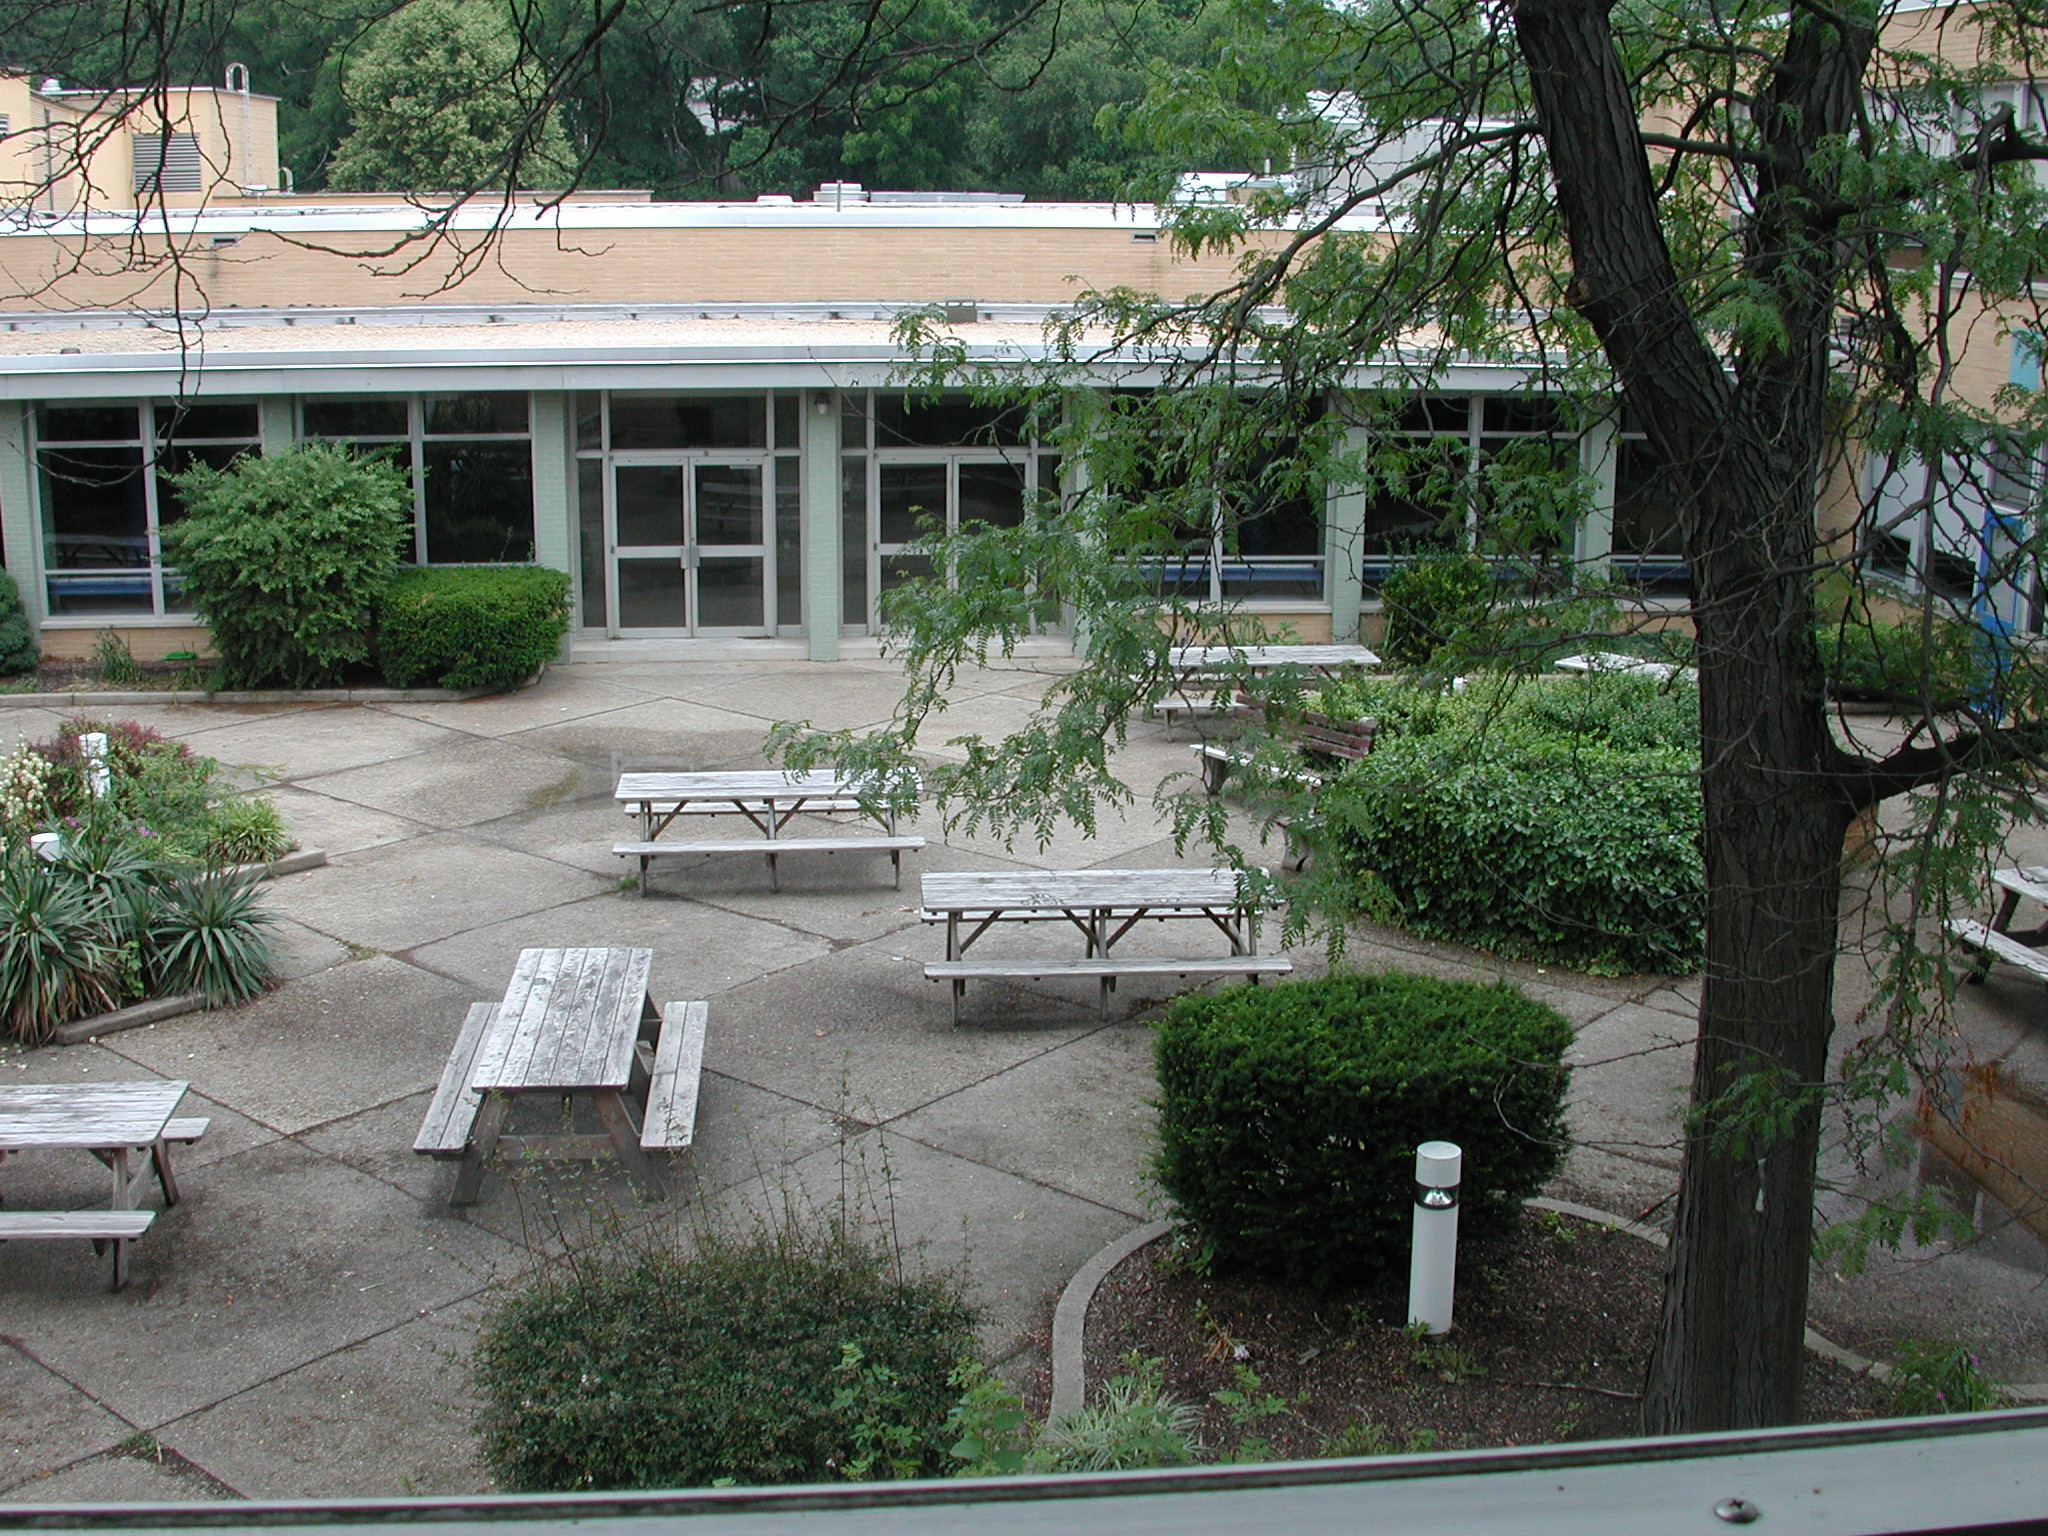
[1193, 660]
[113, 1121]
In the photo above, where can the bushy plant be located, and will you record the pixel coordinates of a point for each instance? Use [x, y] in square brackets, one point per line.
[245, 829]
[285, 556]
[1931, 1376]
[1551, 819]
[1134, 1423]
[1942, 664]
[1431, 602]
[471, 626]
[58, 958]
[209, 934]
[112, 662]
[1289, 1115]
[18, 650]
[791, 1355]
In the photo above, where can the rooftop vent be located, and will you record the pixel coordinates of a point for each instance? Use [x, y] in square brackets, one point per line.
[840, 193]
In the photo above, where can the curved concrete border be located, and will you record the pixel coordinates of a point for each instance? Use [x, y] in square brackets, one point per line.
[1070, 1319]
[1070, 1361]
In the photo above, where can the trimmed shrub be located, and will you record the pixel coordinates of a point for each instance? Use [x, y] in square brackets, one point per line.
[1431, 602]
[786, 1357]
[18, 650]
[471, 626]
[1941, 666]
[1289, 1115]
[285, 557]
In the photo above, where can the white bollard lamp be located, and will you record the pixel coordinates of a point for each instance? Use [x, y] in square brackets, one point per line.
[1433, 1266]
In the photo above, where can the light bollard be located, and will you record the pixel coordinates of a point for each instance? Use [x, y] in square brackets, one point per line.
[98, 777]
[1433, 1266]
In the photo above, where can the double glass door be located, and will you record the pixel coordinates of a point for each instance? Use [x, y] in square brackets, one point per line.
[690, 549]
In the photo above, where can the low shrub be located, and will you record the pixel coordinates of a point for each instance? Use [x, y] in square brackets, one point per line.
[471, 626]
[18, 650]
[1550, 819]
[787, 1356]
[285, 555]
[1289, 1115]
[245, 829]
[1941, 665]
[1430, 603]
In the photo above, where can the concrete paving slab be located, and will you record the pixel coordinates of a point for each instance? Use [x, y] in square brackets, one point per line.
[399, 897]
[458, 782]
[867, 1035]
[578, 833]
[857, 699]
[20, 726]
[50, 1423]
[302, 952]
[339, 826]
[356, 1035]
[1631, 1077]
[556, 698]
[699, 951]
[390, 1417]
[121, 1479]
[1013, 1241]
[275, 1258]
[689, 737]
[303, 742]
[1079, 1119]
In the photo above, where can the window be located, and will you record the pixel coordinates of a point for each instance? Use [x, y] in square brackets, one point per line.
[471, 461]
[1647, 545]
[104, 472]
[167, 162]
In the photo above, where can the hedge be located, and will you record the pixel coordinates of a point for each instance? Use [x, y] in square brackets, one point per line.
[18, 650]
[471, 626]
[1289, 1115]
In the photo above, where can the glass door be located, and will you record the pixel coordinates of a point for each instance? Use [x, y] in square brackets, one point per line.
[689, 550]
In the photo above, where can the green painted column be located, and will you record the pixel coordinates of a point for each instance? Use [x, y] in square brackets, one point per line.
[1594, 542]
[554, 510]
[822, 536]
[20, 533]
[1344, 548]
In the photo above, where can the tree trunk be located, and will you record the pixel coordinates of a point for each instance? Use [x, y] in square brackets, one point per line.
[1742, 447]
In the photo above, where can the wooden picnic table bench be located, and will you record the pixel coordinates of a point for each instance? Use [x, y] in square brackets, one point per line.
[768, 798]
[574, 1024]
[1104, 905]
[126, 1125]
[1193, 665]
[1997, 939]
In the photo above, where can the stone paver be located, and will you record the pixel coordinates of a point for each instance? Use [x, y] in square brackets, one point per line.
[299, 1326]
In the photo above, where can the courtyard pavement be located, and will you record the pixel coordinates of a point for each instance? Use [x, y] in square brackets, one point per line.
[300, 1325]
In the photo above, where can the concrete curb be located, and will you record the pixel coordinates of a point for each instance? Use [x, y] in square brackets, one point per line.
[1069, 1357]
[135, 1015]
[244, 696]
[1070, 1318]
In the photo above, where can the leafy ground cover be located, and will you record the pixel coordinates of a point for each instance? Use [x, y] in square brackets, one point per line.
[1553, 1329]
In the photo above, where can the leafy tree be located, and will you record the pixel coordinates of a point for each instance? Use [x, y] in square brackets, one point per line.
[1768, 229]
[445, 95]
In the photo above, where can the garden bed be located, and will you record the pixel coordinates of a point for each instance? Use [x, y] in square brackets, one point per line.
[1554, 1327]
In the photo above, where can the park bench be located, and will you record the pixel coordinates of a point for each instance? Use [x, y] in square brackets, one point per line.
[101, 1228]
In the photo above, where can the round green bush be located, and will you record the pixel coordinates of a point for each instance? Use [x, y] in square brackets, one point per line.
[471, 626]
[787, 1357]
[18, 650]
[1430, 602]
[1289, 1115]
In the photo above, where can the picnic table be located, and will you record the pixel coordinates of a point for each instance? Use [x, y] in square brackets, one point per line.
[128, 1126]
[575, 1025]
[1617, 661]
[1998, 939]
[1104, 905]
[1193, 665]
[768, 798]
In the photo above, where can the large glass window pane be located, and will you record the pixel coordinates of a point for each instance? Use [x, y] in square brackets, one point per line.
[1435, 413]
[786, 428]
[589, 422]
[479, 502]
[464, 414]
[590, 540]
[854, 536]
[789, 567]
[356, 418]
[650, 504]
[651, 594]
[689, 421]
[94, 502]
[911, 493]
[950, 421]
[235, 420]
[992, 493]
[730, 593]
[1519, 413]
[729, 507]
[176, 459]
[88, 424]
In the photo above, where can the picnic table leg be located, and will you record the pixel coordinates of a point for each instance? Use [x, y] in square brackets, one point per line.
[953, 953]
[160, 1155]
[2001, 922]
[483, 1141]
[611, 1113]
[124, 1190]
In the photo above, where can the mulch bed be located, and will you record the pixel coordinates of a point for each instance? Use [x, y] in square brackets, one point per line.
[1553, 1331]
